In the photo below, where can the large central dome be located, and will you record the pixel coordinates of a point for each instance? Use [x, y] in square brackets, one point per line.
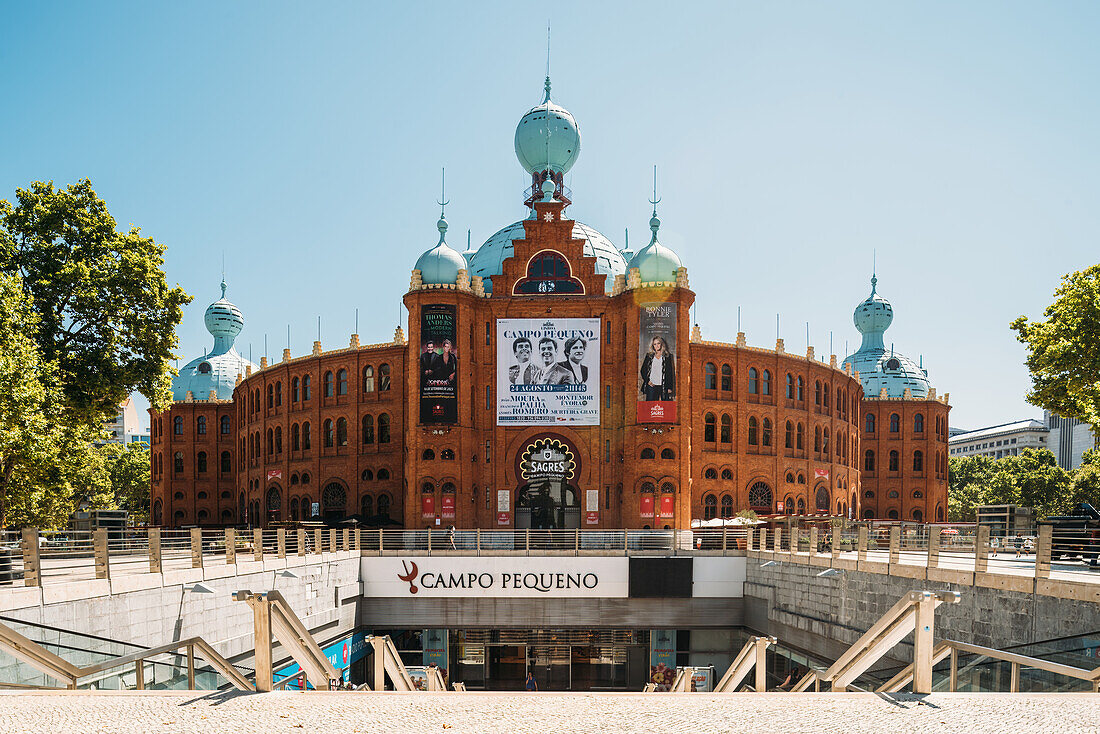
[489, 258]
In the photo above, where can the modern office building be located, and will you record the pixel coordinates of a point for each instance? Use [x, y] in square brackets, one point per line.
[1006, 439]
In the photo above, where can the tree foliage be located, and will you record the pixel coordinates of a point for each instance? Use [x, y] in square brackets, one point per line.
[106, 316]
[1032, 479]
[1064, 350]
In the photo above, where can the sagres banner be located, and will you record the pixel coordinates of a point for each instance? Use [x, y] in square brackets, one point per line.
[657, 363]
[548, 372]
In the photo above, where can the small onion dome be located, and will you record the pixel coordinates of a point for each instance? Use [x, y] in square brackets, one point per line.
[881, 368]
[224, 319]
[875, 313]
[216, 371]
[655, 262]
[547, 137]
[440, 264]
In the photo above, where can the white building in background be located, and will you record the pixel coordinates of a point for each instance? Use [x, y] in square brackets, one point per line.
[126, 427]
[1069, 439]
[996, 442]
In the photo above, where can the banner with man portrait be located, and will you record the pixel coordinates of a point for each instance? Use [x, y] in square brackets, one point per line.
[657, 363]
[438, 364]
[548, 372]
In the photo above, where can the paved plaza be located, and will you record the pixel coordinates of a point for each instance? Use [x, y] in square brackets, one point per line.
[551, 713]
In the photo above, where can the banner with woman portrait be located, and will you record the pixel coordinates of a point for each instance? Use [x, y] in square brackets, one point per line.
[438, 364]
[548, 372]
[657, 363]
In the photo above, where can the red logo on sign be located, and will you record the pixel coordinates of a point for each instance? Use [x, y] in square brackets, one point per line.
[410, 576]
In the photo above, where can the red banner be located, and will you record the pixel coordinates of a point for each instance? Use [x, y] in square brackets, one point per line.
[275, 474]
[668, 505]
[592, 518]
[504, 518]
[427, 505]
[821, 473]
[647, 505]
[656, 411]
[448, 506]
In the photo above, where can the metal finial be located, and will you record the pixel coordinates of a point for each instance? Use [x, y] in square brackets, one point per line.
[547, 85]
[443, 202]
[223, 285]
[655, 201]
[874, 271]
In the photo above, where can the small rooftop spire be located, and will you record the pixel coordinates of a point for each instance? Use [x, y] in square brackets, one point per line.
[654, 222]
[874, 271]
[443, 202]
[223, 285]
[546, 86]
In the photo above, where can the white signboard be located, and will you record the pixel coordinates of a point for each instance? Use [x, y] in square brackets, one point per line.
[548, 372]
[592, 500]
[504, 500]
[500, 576]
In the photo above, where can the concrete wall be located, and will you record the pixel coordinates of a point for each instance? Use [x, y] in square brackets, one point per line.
[829, 614]
[324, 594]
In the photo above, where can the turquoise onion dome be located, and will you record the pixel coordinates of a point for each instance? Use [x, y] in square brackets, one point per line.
[217, 370]
[440, 265]
[878, 366]
[547, 137]
[655, 262]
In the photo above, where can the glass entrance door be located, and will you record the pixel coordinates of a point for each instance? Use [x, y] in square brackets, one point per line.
[551, 667]
[507, 667]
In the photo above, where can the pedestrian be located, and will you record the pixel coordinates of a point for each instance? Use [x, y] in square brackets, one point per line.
[531, 684]
[994, 543]
[451, 537]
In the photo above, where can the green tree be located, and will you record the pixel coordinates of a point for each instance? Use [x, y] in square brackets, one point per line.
[1032, 479]
[1063, 352]
[1086, 480]
[106, 316]
[967, 480]
[38, 444]
[128, 467]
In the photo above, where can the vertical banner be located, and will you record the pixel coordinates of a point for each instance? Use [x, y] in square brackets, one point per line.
[438, 364]
[427, 505]
[448, 506]
[668, 505]
[548, 372]
[504, 507]
[592, 507]
[657, 363]
[435, 648]
[647, 505]
[662, 658]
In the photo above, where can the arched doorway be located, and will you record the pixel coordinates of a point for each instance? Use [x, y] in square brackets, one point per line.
[760, 497]
[274, 503]
[547, 497]
[334, 500]
[821, 498]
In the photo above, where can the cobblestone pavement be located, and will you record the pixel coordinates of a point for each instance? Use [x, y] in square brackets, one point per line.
[547, 713]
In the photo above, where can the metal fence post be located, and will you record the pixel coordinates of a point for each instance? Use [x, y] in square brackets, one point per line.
[1043, 551]
[280, 540]
[981, 549]
[102, 556]
[230, 546]
[196, 548]
[934, 547]
[477, 540]
[32, 562]
[895, 545]
[154, 550]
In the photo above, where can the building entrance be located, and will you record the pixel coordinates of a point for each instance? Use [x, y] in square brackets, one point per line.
[548, 506]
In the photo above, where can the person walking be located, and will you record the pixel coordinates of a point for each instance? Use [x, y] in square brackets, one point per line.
[451, 537]
[531, 684]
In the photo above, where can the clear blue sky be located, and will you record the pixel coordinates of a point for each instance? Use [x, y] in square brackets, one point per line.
[304, 141]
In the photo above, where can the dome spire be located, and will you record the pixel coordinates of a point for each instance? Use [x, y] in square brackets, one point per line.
[223, 285]
[654, 222]
[441, 225]
[547, 85]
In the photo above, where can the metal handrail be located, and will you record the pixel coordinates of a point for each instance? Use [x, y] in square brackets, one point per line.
[751, 655]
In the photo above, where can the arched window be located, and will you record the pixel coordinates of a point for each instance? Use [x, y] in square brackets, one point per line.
[341, 431]
[727, 378]
[754, 380]
[727, 507]
[801, 478]
[798, 436]
[177, 425]
[227, 462]
[177, 462]
[869, 423]
[383, 504]
[295, 393]
[752, 431]
[294, 509]
[766, 438]
[368, 429]
[894, 461]
[200, 461]
[817, 439]
[790, 478]
[305, 436]
[788, 506]
[278, 439]
[790, 387]
[328, 433]
[918, 423]
[917, 515]
[428, 455]
[821, 498]
[200, 425]
[939, 513]
[334, 498]
[918, 461]
[760, 496]
[270, 396]
[817, 392]
[368, 379]
[366, 506]
[447, 455]
[710, 507]
[384, 428]
[869, 460]
[548, 273]
[307, 389]
[788, 440]
[801, 506]
[895, 423]
[766, 383]
[383, 474]
[647, 453]
[158, 512]
[727, 428]
[800, 386]
[727, 474]
[225, 425]
[708, 427]
[917, 494]
[710, 473]
[668, 454]
[825, 395]
[383, 378]
[367, 475]
[270, 441]
[330, 385]
[278, 394]
[274, 503]
[710, 378]
[295, 438]
[825, 442]
[342, 381]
